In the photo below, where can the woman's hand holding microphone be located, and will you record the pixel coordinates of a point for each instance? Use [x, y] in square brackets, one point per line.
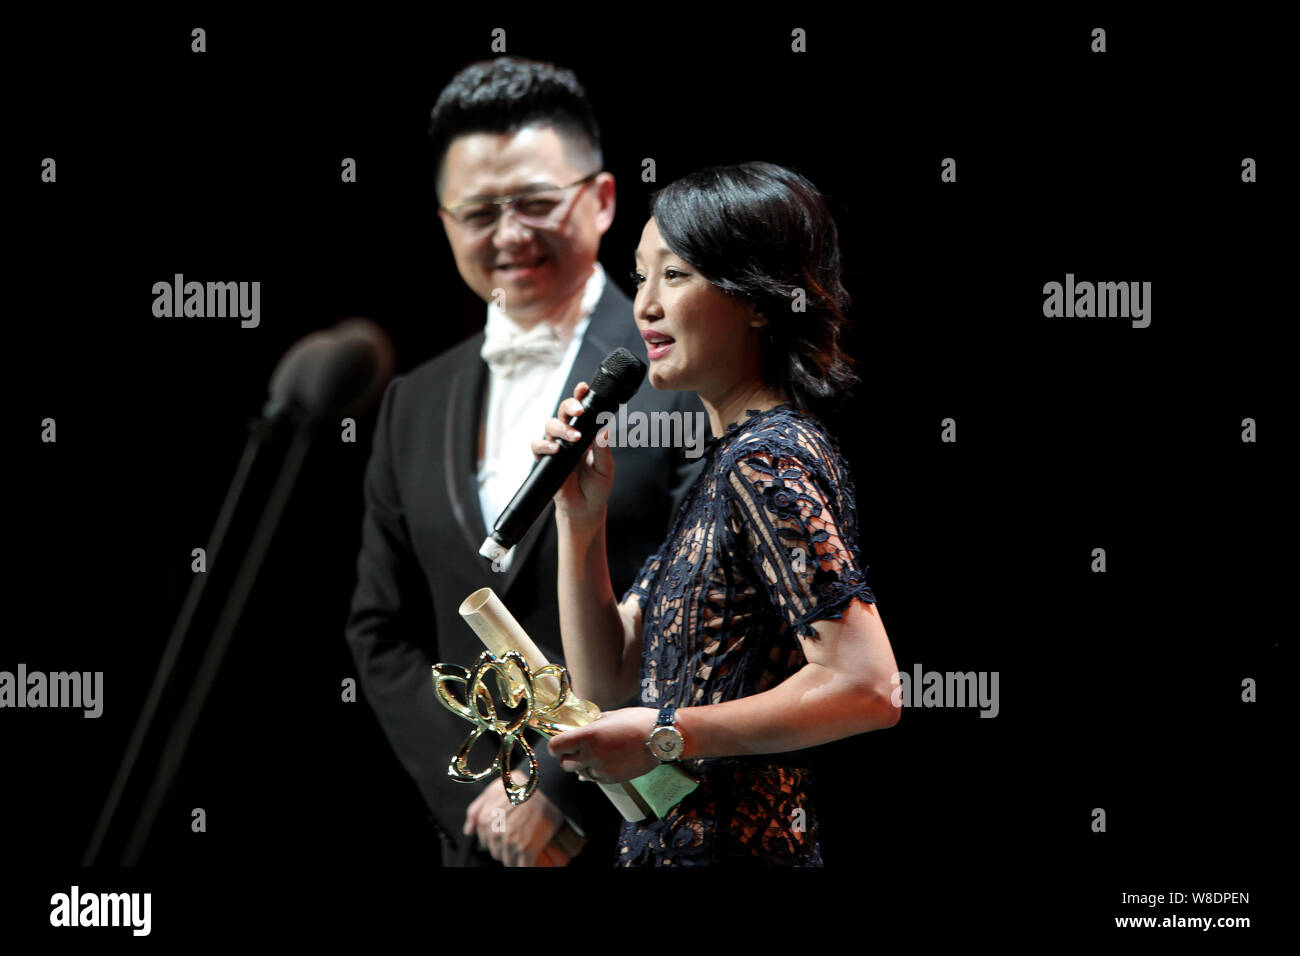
[585, 493]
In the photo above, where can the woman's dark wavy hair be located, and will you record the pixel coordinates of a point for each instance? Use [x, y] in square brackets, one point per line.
[762, 232]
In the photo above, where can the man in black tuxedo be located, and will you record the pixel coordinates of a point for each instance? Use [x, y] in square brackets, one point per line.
[524, 203]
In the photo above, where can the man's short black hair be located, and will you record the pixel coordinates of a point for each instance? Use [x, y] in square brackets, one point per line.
[504, 95]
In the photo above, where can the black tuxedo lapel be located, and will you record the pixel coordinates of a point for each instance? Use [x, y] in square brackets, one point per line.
[610, 324]
[460, 456]
[606, 331]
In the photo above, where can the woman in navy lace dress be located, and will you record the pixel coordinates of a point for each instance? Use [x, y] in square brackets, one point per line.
[751, 634]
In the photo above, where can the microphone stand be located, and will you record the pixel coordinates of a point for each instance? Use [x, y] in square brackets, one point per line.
[261, 430]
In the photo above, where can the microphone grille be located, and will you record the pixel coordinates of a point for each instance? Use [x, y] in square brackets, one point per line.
[619, 376]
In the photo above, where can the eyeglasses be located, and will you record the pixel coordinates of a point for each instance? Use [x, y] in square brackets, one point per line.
[537, 208]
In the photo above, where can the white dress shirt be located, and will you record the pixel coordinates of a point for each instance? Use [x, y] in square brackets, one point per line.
[523, 393]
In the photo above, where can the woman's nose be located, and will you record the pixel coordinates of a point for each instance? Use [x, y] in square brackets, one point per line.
[649, 311]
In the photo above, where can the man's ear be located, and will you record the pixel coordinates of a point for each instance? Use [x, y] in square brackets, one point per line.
[606, 193]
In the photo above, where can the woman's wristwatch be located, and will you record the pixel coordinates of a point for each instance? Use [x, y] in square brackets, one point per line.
[666, 741]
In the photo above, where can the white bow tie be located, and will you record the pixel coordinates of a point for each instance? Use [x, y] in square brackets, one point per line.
[505, 351]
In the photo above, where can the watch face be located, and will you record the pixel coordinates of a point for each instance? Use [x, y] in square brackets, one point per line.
[667, 743]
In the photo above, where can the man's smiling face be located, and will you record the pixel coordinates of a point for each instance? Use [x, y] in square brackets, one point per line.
[540, 267]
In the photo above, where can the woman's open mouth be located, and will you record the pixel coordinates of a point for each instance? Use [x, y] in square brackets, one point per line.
[657, 344]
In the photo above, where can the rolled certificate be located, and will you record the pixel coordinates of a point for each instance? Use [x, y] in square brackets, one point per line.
[654, 793]
[500, 633]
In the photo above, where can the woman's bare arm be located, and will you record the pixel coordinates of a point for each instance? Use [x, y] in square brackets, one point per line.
[602, 639]
[844, 689]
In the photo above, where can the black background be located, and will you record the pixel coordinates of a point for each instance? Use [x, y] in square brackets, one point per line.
[1118, 690]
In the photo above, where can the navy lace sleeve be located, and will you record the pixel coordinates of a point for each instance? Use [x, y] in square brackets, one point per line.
[793, 515]
[641, 584]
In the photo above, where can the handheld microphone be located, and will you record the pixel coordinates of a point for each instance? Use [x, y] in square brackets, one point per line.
[615, 382]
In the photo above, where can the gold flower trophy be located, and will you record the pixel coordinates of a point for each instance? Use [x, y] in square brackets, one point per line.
[524, 678]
